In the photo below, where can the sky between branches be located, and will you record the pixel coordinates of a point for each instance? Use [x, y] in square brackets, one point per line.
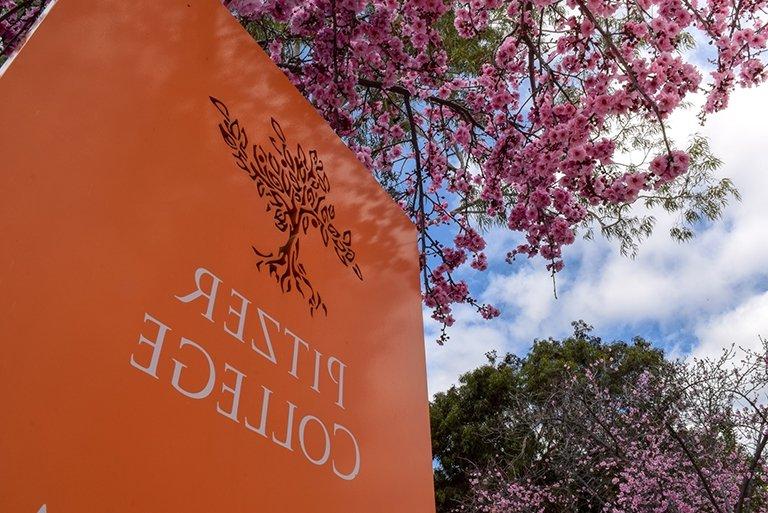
[692, 299]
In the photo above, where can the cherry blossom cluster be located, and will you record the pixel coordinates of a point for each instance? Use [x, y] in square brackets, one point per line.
[523, 113]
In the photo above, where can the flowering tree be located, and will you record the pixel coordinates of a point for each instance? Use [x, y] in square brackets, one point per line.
[16, 18]
[673, 438]
[544, 116]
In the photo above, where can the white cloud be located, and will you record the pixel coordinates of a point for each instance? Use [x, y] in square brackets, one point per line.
[529, 295]
[742, 326]
[670, 282]
[471, 339]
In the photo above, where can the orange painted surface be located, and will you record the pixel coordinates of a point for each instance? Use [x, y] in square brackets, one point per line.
[290, 376]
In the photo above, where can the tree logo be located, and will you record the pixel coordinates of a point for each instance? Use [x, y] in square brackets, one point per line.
[295, 186]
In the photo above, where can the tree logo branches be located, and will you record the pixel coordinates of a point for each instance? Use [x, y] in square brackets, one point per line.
[295, 187]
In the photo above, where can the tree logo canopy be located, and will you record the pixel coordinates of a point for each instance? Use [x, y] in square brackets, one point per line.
[295, 187]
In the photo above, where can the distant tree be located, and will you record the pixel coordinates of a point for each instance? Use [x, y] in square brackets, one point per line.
[616, 428]
[467, 434]
[484, 422]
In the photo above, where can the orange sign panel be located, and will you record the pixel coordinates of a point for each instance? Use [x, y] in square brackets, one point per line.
[208, 305]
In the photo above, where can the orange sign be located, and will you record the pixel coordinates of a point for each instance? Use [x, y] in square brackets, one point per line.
[208, 305]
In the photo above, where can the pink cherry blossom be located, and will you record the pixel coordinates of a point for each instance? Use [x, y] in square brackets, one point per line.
[525, 137]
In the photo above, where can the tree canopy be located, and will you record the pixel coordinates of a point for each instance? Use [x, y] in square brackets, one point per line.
[582, 425]
[478, 424]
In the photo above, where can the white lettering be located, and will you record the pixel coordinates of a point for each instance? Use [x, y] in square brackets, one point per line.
[270, 355]
[178, 366]
[288, 442]
[262, 429]
[210, 295]
[356, 468]
[232, 413]
[316, 382]
[157, 346]
[240, 314]
[338, 379]
[326, 451]
[297, 342]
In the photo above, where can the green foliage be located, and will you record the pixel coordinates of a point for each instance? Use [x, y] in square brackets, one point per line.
[479, 424]
[466, 422]
[466, 56]
[550, 361]
[696, 197]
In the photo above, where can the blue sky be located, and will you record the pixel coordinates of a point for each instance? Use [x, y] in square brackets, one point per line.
[691, 299]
